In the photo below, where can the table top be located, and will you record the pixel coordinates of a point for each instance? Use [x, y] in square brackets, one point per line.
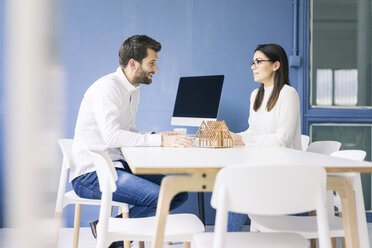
[148, 160]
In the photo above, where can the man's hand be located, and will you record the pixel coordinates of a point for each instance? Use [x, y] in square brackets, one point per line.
[237, 139]
[175, 140]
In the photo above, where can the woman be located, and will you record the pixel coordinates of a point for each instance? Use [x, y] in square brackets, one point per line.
[274, 118]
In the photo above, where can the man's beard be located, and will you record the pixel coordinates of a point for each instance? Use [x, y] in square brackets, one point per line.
[143, 77]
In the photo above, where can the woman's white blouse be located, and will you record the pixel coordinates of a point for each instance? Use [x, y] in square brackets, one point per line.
[279, 127]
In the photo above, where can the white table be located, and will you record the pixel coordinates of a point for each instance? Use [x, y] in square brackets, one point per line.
[197, 168]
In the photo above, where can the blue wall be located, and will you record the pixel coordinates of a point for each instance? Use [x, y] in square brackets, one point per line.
[2, 197]
[200, 37]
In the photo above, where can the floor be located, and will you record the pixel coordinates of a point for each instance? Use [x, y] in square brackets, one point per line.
[87, 240]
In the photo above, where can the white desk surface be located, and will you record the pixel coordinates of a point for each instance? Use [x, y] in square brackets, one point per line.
[187, 160]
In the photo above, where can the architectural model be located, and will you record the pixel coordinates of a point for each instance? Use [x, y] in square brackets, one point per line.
[214, 134]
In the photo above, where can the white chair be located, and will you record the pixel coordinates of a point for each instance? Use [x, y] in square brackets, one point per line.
[306, 225]
[266, 190]
[324, 147]
[65, 198]
[305, 139]
[179, 227]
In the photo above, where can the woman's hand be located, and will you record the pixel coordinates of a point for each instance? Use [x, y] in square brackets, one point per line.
[237, 139]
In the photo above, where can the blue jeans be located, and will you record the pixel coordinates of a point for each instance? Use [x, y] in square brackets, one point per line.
[141, 191]
[235, 222]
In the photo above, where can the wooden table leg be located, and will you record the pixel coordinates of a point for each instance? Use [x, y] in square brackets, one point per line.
[127, 243]
[171, 186]
[344, 187]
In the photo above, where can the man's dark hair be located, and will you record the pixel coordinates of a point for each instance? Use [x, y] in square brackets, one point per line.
[135, 48]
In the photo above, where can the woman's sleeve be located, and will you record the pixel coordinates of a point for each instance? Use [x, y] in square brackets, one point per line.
[289, 113]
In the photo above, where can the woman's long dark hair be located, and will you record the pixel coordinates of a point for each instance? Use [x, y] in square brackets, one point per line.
[273, 52]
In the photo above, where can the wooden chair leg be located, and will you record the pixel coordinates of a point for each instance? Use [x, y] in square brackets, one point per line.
[125, 215]
[313, 243]
[169, 243]
[343, 238]
[333, 240]
[186, 244]
[75, 239]
[141, 244]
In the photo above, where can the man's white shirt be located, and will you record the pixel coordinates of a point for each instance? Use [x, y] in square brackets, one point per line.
[106, 121]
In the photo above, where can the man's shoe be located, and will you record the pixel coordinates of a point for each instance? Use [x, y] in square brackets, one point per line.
[117, 244]
[93, 227]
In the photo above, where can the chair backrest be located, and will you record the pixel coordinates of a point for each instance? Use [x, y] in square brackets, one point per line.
[359, 155]
[105, 170]
[107, 177]
[324, 147]
[305, 139]
[66, 148]
[270, 190]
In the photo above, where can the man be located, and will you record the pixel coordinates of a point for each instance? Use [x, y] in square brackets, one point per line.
[106, 121]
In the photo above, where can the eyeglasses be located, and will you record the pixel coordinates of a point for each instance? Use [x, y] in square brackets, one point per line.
[257, 62]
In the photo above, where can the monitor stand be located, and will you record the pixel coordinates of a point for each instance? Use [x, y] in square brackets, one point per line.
[201, 207]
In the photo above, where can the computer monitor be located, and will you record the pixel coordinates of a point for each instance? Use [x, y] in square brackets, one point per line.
[198, 99]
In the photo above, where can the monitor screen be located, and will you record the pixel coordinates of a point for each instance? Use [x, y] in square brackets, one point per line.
[197, 99]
